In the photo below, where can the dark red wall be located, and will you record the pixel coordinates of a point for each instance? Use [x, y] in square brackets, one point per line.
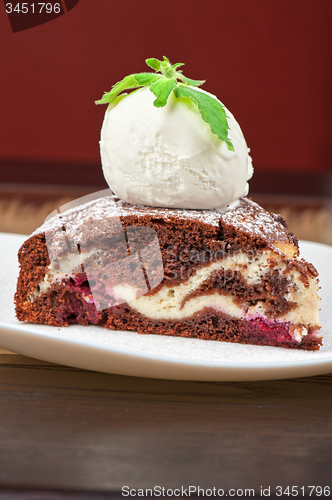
[269, 61]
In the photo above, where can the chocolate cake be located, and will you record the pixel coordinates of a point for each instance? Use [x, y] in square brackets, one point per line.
[234, 276]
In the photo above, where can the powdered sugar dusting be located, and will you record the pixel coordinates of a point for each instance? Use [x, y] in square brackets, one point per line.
[255, 221]
[248, 217]
[111, 207]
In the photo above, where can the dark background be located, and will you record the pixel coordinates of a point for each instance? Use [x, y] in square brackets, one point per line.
[270, 62]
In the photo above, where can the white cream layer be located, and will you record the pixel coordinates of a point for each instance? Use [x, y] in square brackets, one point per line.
[60, 269]
[168, 303]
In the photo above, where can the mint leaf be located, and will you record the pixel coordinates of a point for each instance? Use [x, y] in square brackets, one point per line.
[129, 82]
[168, 78]
[162, 89]
[211, 109]
[177, 65]
[153, 63]
[146, 79]
[189, 81]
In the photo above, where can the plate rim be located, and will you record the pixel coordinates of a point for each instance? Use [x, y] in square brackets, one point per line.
[167, 359]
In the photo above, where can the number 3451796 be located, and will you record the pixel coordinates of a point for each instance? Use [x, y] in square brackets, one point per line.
[33, 8]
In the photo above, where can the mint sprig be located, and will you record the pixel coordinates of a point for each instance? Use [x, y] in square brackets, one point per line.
[167, 79]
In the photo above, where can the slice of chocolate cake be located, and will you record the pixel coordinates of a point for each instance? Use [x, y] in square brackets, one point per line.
[234, 276]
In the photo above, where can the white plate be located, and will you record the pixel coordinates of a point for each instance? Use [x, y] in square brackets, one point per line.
[127, 353]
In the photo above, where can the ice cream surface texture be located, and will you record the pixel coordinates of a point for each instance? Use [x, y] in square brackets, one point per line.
[168, 157]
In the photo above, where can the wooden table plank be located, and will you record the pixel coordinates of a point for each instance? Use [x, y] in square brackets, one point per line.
[12, 494]
[4, 351]
[74, 429]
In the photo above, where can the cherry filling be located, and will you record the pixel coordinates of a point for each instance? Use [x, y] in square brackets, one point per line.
[271, 333]
[78, 306]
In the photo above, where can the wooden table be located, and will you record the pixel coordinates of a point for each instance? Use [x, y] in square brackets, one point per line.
[78, 434]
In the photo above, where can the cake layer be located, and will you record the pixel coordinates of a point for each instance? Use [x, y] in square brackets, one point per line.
[264, 293]
[246, 225]
[209, 324]
[71, 303]
[170, 267]
[254, 277]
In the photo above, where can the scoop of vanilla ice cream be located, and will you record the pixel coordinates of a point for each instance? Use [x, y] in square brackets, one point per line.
[168, 157]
